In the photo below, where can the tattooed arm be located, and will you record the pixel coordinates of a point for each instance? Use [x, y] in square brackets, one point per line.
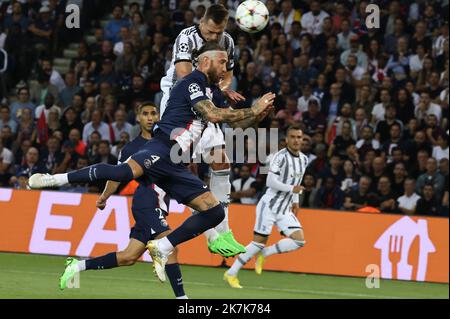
[251, 122]
[216, 115]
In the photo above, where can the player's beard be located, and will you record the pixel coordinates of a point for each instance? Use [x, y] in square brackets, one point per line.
[213, 76]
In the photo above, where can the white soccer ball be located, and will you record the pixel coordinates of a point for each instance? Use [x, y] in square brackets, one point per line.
[252, 16]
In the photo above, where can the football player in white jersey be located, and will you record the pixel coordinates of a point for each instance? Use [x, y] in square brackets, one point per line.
[278, 206]
[211, 28]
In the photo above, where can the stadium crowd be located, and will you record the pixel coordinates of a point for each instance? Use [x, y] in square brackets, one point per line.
[372, 103]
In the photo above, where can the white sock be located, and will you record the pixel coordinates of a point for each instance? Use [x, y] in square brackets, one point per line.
[61, 179]
[81, 265]
[252, 249]
[223, 227]
[182, 297]
[220, 186]
[211, 235]
[165, 245]
[283, 246]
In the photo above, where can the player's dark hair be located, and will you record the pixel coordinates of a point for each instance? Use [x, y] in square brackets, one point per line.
[294, 127]
[142, 104]
[217, 12]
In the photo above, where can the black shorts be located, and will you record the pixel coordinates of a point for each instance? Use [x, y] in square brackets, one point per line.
[150, 222]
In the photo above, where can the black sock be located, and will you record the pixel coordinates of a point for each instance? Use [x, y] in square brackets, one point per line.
[103, 262]
[119, 173]
[196, 225]
[176, 280]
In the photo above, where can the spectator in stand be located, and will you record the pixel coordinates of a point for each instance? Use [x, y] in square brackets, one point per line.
[309, 193]
[55, 77]
[22, 103]
[71, 88]
[432, 176]
[428, 205]
[329, 196]
[104, 154]
[96, 125]
[244, 189]
[440, 151]
[51, 156]
[42, 30]
[31, 165]
[312, 21]
[120, 124]
[387, 198]
[6, 160]
[112, 29]
[367, 141]
[5, 118]
[359, 197]
[383, 127]
[313, 119]
[116, 149]
[408, 202]
[351, 177]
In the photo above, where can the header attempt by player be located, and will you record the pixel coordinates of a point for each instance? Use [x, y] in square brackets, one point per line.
[211, 145]
[189, 108]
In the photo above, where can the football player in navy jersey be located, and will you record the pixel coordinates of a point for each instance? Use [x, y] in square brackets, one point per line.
[150, 207]
[188, 110]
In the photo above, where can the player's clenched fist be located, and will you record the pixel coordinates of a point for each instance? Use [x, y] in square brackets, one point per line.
[101, 203]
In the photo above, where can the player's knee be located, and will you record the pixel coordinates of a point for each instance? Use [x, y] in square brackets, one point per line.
[220, 166]
[173, 257]
[297, 236]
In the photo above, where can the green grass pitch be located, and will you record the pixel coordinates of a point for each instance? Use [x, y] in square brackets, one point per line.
[36, 276]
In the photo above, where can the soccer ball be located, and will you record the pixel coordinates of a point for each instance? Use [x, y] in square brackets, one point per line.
[252, 16]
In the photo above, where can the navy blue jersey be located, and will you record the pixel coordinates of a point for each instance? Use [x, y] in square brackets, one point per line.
[147, 193]
[180, 121]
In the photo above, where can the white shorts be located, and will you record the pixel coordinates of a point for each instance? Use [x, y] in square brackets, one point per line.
[212, 137]
[286, 221]
[163, 103]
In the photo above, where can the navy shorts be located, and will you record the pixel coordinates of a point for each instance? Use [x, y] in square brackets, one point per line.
[150, 222]
[175, 179]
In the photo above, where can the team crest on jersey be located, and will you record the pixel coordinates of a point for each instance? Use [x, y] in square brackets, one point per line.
[150, 161]
[195, 91]
[147, 163]
[183, 47]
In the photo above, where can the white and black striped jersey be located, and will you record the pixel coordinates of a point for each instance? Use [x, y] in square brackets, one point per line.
[188, 40]
[290, 170]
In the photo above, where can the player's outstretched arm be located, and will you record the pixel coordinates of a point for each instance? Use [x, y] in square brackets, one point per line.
[216, 115]
[110, 188]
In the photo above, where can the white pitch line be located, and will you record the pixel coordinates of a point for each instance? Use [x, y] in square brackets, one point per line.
[299, 291]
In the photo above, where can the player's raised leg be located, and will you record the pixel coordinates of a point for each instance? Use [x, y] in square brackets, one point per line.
[263, 227]
[221, 187]
[290, 226]
[120, 173]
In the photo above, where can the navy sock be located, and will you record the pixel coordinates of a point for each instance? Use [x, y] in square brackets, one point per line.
[118, 173]
[103, 262]
[196, 225]
[176, 280]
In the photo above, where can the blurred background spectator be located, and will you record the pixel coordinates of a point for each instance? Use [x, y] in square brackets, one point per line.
[373, 103]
